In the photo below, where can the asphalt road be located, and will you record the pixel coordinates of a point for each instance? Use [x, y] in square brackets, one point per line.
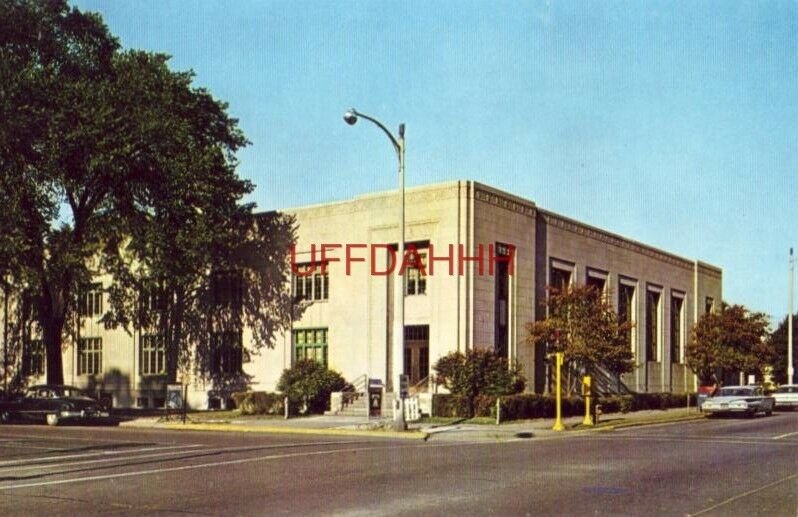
[707, 467]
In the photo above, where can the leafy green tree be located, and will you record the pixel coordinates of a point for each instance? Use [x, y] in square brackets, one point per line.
[582, 325]
[120, 165]
[730, 340]
[478, 372]
[308, 384]
[778, 341]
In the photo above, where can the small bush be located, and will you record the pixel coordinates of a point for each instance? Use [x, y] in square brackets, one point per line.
[259, 403]
[308, 385]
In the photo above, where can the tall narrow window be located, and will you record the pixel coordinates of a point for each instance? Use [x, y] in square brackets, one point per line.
[677, 338]
[415, 279]
[626, 307]
[90, 356]
[709, 303]
[653, 349]
[501, 304]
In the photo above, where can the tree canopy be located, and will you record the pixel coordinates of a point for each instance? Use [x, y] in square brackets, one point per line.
[111, 162]
[583, 325]
[778, 341]
[730, 340]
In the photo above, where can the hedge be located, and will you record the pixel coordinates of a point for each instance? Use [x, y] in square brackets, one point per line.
[532, 405]
[259, 403]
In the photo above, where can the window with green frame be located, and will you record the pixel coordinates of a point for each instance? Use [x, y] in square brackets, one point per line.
[310, 344]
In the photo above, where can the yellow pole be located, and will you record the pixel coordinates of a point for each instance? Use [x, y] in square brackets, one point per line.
[558, 425]
[586, 386]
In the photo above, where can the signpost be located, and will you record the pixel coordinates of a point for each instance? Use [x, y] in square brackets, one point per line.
[558, 425]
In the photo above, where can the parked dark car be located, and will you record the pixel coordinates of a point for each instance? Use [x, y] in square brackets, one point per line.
[53, 404]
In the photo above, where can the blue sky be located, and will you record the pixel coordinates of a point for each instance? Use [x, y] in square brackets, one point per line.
[674, 124]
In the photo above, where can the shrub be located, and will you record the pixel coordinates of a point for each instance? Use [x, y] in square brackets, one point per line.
[259, 403]
[478, 372]
[532, 405]
[308, 385]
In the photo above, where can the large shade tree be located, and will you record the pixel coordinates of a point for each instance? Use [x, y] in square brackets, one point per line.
[728, 341]
[117, 164]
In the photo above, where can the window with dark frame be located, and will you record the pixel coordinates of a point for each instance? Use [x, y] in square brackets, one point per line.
[311, 284]
[33, 358]
[90, 356]
[709, 304]
[90, 301]
[227, 353]
[152, 356]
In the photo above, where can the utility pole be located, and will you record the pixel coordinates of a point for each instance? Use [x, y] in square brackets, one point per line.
[790, 367]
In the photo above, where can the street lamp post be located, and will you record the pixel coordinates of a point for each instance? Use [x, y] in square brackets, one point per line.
[398, 345]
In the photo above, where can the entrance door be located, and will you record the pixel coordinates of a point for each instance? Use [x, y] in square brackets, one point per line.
[416, 356]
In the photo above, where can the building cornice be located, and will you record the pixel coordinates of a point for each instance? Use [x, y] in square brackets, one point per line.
[504, 200]
[582, 229]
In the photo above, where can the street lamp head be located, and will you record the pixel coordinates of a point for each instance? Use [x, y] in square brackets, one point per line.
[350, 117]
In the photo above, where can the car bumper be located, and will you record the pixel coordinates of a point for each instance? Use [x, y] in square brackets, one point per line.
[787, 403]
[84, 414]
[718, 410]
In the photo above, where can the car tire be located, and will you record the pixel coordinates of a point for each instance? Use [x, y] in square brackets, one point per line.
[52, 419]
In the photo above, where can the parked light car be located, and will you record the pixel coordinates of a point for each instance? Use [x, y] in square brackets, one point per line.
[745, 400]
[786, 396]
[53, 404]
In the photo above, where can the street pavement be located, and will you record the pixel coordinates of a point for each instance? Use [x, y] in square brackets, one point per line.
[717, 467]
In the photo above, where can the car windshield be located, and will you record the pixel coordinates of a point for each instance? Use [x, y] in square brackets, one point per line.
[735, 392]
[787, 389]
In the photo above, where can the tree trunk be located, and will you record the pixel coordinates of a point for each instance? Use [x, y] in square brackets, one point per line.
[53, 329]
[53, 312]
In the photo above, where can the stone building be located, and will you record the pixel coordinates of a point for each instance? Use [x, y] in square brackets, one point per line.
[457, 229]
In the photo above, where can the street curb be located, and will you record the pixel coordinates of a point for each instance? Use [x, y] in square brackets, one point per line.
[293, 430]
[640, 423]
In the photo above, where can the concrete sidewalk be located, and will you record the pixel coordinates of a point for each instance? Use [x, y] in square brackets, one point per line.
[457, 431]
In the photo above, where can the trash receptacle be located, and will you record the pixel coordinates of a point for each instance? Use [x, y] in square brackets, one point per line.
[375, 397]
